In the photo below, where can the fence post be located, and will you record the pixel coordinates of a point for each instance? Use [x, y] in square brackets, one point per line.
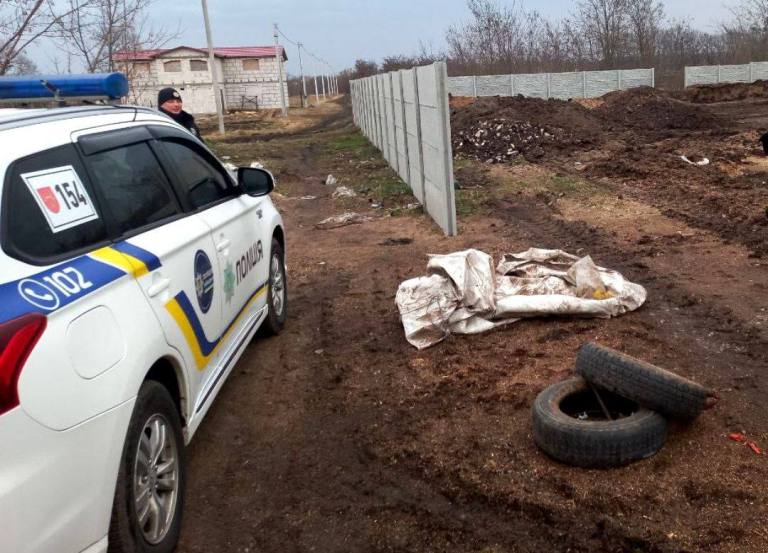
[474, 85]
[405, 129]
[751, 72]
[512, 84]
[548, 84]
[417, 103]
[441, 78]
[653, 77]
[618, 78]
[396, 166]
[719, 74]
[584, 83]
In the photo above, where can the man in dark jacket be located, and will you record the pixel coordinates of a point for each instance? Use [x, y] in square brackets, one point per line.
[169, 102]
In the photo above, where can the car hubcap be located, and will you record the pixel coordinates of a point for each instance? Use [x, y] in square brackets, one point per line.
[156, 479]
[277, 282]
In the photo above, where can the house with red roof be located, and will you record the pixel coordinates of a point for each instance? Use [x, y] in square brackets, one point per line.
[248, 75]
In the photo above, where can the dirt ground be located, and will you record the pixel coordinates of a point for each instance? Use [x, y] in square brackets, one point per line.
[338, 436]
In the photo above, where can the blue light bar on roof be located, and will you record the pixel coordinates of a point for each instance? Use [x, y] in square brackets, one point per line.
[100, 85]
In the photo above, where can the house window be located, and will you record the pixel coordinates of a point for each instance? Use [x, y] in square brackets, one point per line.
[172, 66]
[141, 68]
[250, 65]
[198, 65]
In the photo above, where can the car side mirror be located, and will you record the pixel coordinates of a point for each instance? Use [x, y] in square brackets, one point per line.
[255, 182]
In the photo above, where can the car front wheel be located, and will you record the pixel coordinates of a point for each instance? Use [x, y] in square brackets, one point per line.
[149, 497]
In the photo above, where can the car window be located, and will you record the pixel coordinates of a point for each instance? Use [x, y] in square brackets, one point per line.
[49, 207]
[133, 186]
[201, 183]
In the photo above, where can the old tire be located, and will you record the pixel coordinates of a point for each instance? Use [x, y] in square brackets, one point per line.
[149, 496]
[648, 385]
[636, 433]
[277, 291]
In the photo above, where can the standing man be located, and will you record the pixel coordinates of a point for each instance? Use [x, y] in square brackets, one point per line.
[169, 102]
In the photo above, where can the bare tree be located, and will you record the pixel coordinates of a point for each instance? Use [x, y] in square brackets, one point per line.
[95, 30]
[23, 22]
[604, 23]
[496, 39]
[644, 21]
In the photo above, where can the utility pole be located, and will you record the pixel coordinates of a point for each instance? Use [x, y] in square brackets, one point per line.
[212, 67]
[279, 56]
[303, 82]
[317, 94]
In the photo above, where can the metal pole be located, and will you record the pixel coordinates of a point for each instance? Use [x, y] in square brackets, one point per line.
[279, 57]
[212, 67]
[303, 82]
[317, 94]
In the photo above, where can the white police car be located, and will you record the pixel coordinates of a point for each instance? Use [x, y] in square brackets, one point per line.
[134, 271]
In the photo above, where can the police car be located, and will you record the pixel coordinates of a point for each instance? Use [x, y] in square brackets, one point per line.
[134, 271]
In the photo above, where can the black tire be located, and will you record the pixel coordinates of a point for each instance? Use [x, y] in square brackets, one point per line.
[648, 385]
[596, 441]
[276, 316]
[126, 535]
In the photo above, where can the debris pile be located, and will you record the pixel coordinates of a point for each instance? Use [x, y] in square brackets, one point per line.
[502, 140]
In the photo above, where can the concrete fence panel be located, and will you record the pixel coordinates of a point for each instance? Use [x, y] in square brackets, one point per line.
[533, 85]
[400, 137]
[580, 84]
[714, 74]
[412, 130]
[601, 82]
[566, 85]
[413, 135]
[493, 85]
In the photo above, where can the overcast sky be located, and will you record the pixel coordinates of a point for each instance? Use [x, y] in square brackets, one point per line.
[342, 31]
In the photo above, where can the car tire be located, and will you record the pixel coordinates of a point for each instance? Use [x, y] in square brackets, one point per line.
[149, 496]
[593, 440]
[648, 385]
[277, 291]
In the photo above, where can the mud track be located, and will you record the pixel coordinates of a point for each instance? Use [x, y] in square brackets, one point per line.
[338, 436]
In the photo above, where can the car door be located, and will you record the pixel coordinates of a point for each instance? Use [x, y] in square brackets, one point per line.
[171, 252]
[235, 221]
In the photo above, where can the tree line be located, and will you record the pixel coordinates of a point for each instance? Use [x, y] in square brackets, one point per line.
[500, 38]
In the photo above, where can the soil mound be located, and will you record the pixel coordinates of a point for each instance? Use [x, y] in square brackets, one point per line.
[724, 92]
[499, 129]
[649, 109]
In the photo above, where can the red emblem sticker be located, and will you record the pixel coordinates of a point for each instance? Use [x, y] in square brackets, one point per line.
[49, 199]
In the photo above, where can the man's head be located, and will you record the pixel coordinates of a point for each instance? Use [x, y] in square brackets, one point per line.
[169, 100]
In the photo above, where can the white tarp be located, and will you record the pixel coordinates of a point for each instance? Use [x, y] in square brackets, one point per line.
[462, 294]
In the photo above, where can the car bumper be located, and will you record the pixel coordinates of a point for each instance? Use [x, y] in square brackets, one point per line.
[56, 488]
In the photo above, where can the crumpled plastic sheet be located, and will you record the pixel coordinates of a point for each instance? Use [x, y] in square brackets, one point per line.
[463, 294]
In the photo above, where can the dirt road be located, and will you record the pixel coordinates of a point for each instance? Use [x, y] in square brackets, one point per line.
[337, 436]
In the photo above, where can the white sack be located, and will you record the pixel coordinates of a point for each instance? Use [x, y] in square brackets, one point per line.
[463, 295]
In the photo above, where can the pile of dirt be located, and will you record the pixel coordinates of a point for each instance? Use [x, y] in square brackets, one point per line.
[724, 92]
[500, 129]
[649, 109]
[569, 116]
[501, 140]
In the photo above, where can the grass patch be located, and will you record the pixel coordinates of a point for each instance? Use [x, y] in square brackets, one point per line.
[470, 201]
[354, 142]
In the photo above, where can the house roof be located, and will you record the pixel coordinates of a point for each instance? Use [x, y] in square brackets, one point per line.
[225, 52]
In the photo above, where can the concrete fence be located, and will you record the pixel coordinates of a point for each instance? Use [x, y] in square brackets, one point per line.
[405, 114]
[580, 84]
[714, 74]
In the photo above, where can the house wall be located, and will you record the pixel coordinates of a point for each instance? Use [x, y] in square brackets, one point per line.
[242, 89]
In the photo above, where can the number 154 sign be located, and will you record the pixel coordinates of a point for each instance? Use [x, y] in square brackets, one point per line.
[61, 196]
